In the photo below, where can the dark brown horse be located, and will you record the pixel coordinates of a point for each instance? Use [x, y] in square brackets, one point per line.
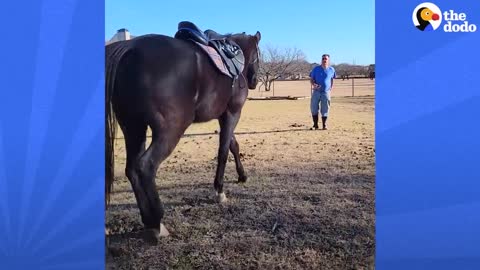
[167, 84]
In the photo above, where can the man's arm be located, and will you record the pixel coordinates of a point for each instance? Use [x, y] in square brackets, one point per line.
[312, 81]
[311, 76]
[331, 80]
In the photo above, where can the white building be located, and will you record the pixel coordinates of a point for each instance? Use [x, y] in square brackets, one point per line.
[122, 34]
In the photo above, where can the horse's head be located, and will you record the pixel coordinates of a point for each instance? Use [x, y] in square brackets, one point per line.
[249, 45]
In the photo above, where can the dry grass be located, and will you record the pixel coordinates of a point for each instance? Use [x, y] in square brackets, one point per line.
[308, 203]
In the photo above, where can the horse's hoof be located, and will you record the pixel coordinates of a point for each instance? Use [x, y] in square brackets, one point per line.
[221, 198]
[163, 231]
[152, 236]
[242, 178]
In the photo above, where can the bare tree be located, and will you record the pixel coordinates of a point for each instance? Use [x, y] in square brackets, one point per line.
[345, 70]
[278, 63]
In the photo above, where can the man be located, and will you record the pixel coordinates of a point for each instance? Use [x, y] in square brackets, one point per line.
[321, 78]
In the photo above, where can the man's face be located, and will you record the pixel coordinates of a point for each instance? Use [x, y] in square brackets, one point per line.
[325, 60]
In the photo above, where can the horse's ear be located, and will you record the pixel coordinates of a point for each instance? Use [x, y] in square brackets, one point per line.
[258, 35]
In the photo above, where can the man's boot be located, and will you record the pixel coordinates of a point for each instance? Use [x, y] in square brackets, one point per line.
[324, 122]
[315, 122]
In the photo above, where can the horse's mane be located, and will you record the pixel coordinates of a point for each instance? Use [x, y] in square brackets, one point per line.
[231, 35]
[239, 36]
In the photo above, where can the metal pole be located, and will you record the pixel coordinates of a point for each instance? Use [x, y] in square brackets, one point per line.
[353, 87]
[273, 88]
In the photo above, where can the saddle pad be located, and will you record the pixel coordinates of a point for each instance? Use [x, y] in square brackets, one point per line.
[216, 59]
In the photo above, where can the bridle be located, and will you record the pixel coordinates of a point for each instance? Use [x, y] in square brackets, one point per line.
[258, 53]
[254, 61]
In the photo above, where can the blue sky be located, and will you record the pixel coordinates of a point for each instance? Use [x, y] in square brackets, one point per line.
[344, 29]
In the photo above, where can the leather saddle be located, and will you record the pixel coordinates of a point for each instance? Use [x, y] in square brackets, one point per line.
[230, 53]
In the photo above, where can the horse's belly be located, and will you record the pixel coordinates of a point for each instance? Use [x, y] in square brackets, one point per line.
[205, 115]
[209, 110]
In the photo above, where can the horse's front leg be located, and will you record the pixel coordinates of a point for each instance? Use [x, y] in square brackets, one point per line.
[227, 121]
[235, 149]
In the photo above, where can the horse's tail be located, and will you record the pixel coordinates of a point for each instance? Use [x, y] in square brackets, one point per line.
[113, 55]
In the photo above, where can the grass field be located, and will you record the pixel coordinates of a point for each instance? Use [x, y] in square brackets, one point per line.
[309, 202]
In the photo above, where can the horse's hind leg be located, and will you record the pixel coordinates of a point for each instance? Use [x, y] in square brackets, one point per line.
[135, 138]
[164, 139]
[148, 201]
[227, 121]
[235, 149]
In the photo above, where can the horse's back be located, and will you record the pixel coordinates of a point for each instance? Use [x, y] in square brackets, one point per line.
[153, 46]
[157, 74]
[161, 45]
[170, 75]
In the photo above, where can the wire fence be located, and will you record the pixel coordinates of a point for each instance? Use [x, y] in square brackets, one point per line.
[352, 87]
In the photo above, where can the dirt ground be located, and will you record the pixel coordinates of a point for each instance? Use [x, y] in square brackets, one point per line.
[309, 201]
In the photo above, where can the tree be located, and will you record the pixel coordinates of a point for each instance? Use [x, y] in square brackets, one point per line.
[345, 70]
[278, 63]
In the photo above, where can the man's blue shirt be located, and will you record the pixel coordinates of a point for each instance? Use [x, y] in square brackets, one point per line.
[323, 77]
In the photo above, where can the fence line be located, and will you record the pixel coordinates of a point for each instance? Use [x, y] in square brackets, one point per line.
[348, 87]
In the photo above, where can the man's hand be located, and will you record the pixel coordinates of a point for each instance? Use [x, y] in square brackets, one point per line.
[316, 86]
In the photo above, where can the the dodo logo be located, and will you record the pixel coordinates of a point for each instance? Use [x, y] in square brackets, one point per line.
[428, 17]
